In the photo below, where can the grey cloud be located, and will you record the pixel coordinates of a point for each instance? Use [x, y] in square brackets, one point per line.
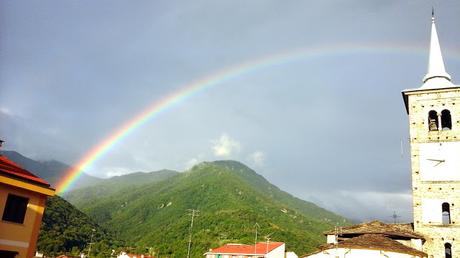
[331, 126]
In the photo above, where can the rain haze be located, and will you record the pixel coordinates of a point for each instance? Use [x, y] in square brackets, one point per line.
[310, 97]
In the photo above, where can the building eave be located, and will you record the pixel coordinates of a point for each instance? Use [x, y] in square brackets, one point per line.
[405, 93]
[26, 185]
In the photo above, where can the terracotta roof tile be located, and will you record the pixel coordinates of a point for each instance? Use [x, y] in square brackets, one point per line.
[259, 248]
[377, 227]
[374, 242]
[12, 169]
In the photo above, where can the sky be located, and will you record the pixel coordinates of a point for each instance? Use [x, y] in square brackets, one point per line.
[321, 116]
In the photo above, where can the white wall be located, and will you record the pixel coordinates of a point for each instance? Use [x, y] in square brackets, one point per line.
[432, 211]
[277, 252]
[439, 161]
[331, 239]
[291, 255]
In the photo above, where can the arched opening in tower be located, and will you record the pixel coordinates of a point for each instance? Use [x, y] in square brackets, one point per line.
[448, 250]
[445, 213]
[446, 120]
[433, 120]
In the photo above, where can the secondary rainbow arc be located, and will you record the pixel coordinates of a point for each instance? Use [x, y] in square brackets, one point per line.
[190, 89]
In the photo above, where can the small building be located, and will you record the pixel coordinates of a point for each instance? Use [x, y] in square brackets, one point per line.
[259, 250]
[127, 255]
[372, 239]
[22, 203]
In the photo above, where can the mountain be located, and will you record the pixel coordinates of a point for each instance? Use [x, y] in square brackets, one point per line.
[65, 229]
[51, 171]
[116, 184]
[232, 200]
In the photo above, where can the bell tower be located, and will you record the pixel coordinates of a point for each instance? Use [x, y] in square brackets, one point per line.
[434, 122]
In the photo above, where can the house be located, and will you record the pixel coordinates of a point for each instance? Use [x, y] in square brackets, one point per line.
[22, 203]
[259, 250]
[126, 255]
[372, 239]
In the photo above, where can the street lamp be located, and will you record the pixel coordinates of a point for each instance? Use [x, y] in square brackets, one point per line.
[91, 242]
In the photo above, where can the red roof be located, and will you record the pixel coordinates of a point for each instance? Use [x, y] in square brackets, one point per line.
[139, 255]
[259, 248]
[12, 169]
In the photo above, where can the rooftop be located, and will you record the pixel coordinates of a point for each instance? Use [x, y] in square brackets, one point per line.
[260, 248]
[374, 242]
[13, 170]
[377, 227]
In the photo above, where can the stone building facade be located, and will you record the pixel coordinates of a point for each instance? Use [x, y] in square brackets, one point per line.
[434, 122]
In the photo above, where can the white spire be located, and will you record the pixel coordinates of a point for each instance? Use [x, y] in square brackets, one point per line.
[437, 77]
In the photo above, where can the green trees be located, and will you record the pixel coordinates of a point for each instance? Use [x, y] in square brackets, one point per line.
[67, 230]
[231, 199]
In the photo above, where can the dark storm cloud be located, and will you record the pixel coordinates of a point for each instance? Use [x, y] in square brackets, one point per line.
[328, 129]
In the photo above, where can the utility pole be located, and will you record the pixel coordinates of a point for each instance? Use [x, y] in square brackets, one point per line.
[395, 217]
[255, 241]
[337, 233]
[268, 241]
[91, 242]
[192, 213]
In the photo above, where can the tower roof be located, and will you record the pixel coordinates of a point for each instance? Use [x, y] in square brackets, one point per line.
[436, 77]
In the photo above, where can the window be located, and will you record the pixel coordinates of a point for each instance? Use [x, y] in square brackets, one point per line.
[433, 120]
[15, 208]
[8, 254]
[446, 120]
[445, 213]
[448, 250]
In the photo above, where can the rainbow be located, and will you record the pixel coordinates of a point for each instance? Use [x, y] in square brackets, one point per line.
[190, 89]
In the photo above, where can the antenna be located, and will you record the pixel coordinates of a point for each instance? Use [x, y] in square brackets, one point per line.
[192, 213]
[395, 217]
[336, 242]
[267, 238]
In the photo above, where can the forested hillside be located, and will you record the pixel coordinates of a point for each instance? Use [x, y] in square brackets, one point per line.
[67, 230]
[231, 199]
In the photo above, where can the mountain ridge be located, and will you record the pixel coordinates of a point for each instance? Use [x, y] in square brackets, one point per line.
[150, 209]
[117, 183]
[231, 198]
